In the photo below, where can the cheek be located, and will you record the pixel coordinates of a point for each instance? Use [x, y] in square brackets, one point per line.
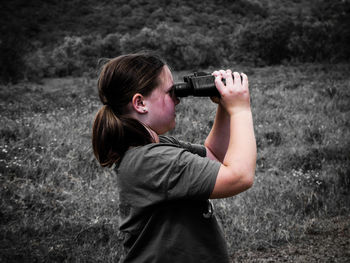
[170, 103]
[166, 105]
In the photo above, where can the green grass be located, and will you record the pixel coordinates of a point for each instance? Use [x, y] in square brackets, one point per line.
[57, 204]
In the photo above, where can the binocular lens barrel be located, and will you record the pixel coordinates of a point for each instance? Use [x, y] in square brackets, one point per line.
[182, 89]
[197, 86]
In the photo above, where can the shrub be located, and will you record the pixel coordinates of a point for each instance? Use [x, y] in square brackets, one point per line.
[110, 45]
[65, 58]
[180, 48]
[74, 56]
[37, 65]
[12, 49]
[336, 16]
[146, 39]
[265, 41]
[310, 41]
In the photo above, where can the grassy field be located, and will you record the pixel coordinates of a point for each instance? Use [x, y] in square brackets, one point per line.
[57, 204]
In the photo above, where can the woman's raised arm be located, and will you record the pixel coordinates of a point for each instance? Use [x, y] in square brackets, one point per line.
[232, 139]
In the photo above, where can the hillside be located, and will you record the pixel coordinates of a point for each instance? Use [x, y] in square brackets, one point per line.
[48, 21]
[35, 34]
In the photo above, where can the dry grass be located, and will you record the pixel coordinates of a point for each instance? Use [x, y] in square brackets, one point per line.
[57, 204]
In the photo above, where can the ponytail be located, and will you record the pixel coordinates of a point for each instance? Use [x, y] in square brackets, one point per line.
[112, 135]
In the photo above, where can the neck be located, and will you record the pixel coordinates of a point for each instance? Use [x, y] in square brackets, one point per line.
[154, 135]
[143, 121]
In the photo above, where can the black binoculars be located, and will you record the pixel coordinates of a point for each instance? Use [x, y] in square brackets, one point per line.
[199, 84]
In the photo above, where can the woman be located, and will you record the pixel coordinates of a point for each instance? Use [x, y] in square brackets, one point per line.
[164, 184]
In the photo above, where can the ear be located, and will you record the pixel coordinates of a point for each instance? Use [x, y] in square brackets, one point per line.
[138, 103]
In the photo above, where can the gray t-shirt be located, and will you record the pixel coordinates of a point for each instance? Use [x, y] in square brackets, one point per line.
[164, 189]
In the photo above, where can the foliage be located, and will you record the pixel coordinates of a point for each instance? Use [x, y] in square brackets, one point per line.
[188, 34]
[310, 41]
[66, 57]
[321, 35]
[180, 49]
[335, 15]
[265, 41]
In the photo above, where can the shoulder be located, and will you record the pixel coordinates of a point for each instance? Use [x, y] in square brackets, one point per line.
[191, 147]
[155, 158]
[143, 158]
[168, 139]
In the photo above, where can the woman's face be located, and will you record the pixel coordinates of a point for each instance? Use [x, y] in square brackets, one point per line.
[161, 104]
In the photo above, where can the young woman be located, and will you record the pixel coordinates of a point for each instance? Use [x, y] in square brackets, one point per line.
[164, 184]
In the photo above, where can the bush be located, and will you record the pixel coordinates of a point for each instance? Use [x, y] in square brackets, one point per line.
[180, 48]
[335, 15]
[310, 41]
[74, 56]
[321, 34]
[66, 58]
[110, 45]
[12, 49]
[37, 65]
[265, 42]
[192, 34]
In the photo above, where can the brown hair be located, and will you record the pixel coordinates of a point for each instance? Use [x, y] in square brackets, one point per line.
[113, 132]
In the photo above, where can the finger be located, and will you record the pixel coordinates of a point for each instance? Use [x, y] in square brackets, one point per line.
[219, 84]
[237, 78]
[244, 80]
[215, 73]
[228, 77]
[222, 72]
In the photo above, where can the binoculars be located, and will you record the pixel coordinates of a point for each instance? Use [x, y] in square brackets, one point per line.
[199, 84]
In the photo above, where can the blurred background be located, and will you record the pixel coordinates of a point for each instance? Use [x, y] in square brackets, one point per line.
[42, 38]
[58, 205]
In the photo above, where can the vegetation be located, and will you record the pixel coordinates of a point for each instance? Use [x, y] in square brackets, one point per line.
[57, 204]
[68, 37]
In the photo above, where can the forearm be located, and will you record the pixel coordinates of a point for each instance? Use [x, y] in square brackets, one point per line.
[241, 152]
[219, 136]
[237, 171]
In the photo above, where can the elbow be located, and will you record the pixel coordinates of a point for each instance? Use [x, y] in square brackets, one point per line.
[232, 181]
[248, 181]
[207, 145]
[248, 175]
[241, 182]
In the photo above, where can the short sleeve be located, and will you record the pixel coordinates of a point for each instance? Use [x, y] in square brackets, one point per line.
[162, 172]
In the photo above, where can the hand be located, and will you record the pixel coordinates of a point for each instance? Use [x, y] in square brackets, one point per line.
[235, 94]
